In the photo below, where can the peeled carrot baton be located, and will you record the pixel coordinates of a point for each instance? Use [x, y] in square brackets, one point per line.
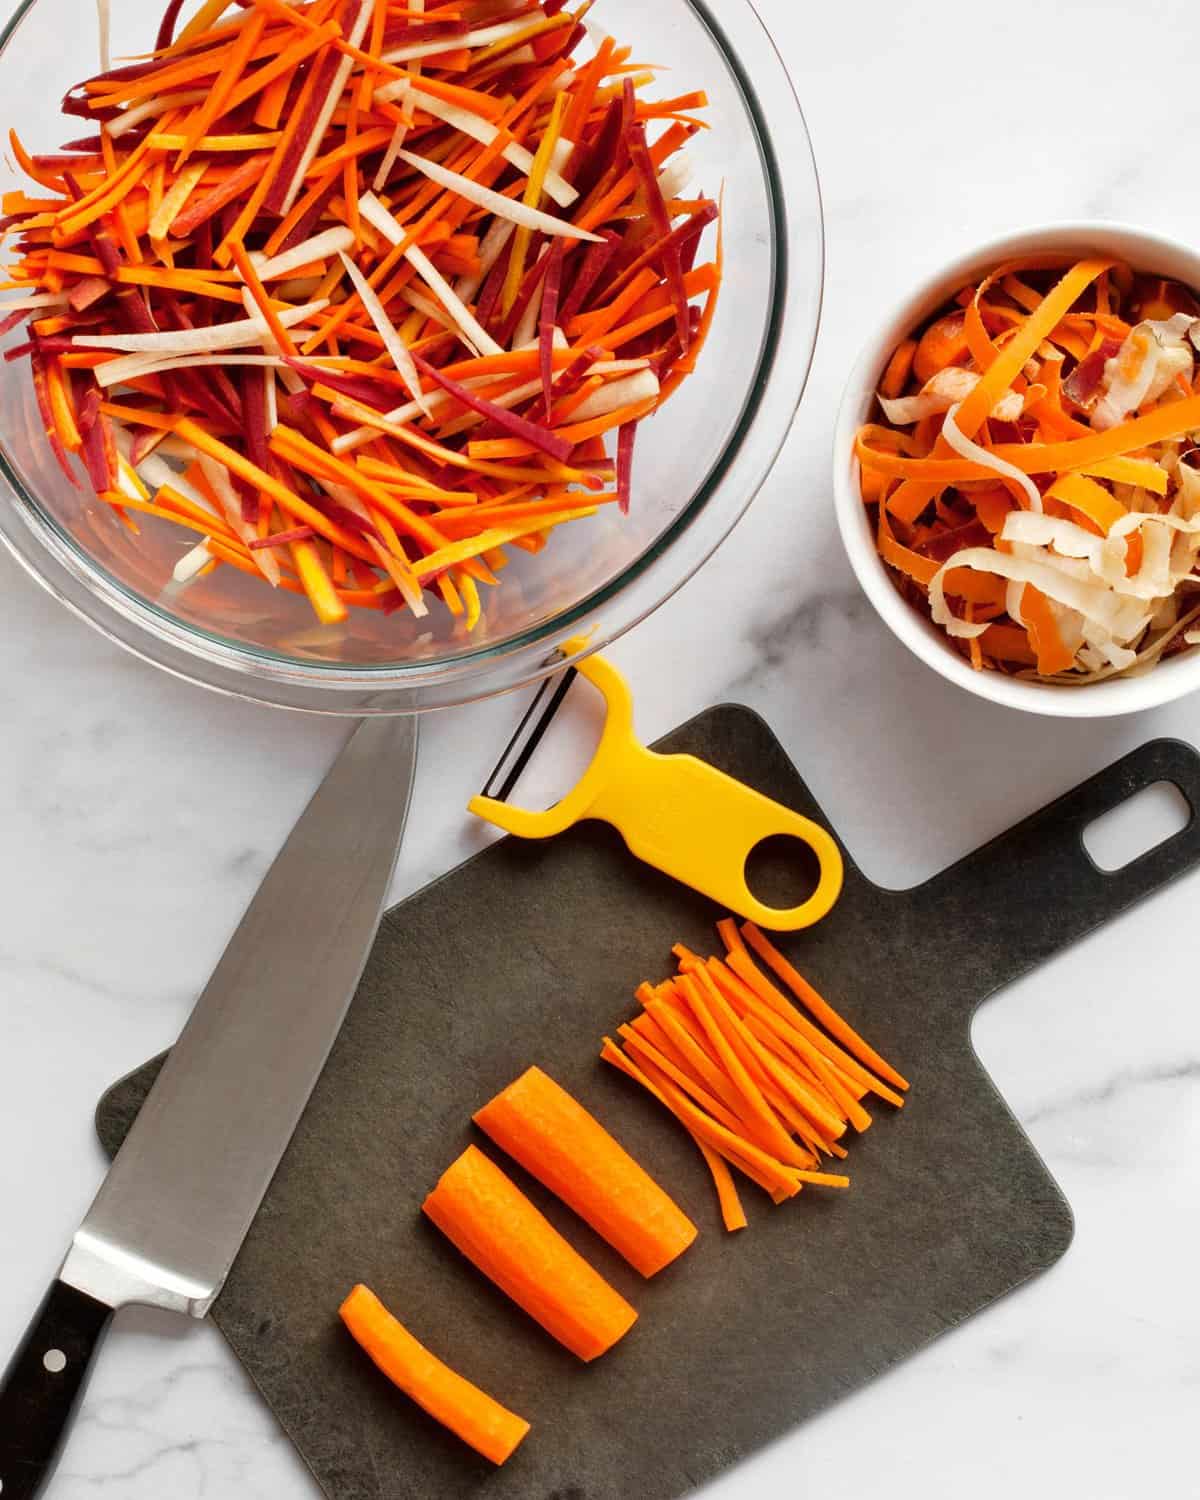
[557, 1141]
[497, 1228]
[449, 1398]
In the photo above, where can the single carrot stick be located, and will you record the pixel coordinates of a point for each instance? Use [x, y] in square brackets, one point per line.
[166, 495]
[322, 595]
[140, 416]
[825, 1179]
[204, 19]
[557, 1141]
[733, 1216]
[58, 388]
[497, 1228]
[301, 207]
[449, 1398]
[262, 301]
[585, 93]
[768, 1130]
[728, 932]
[820, 1008]
[748, 1169]
[119, 498]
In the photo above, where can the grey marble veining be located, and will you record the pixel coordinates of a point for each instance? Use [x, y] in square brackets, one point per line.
[136, 815]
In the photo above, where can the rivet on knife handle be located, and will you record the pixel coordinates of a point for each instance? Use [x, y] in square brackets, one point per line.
[678, 814]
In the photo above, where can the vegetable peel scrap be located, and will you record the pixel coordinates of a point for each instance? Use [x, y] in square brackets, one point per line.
[765, 1084]
[1032, 483]
[294, 226]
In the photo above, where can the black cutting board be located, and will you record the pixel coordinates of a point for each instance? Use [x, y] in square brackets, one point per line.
[528, 953]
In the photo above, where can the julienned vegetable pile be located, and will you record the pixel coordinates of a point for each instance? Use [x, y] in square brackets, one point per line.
[1034, 479]
[356, 290]
[761, 1084]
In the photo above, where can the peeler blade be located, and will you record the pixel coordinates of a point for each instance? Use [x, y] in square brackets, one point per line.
[528, 735]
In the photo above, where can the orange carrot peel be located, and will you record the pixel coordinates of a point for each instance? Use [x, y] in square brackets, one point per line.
[1031, 485]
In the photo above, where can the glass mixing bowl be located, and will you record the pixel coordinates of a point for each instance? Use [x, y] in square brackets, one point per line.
[698, 463]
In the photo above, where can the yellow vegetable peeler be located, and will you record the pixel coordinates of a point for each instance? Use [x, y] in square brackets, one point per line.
[675, 812]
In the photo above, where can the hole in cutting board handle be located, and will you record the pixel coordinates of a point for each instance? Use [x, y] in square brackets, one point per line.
[782, 871]
[1137, 825]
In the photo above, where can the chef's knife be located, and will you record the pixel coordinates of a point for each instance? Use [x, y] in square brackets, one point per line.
[173, 1211]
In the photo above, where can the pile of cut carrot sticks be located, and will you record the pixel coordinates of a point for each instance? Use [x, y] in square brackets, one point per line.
[760, 1083]
[355, 290]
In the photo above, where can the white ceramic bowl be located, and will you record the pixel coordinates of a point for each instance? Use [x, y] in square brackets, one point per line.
[1163, 683]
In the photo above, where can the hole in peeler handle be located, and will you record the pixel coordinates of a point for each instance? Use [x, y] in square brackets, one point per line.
[1136, 826]
[782, 871]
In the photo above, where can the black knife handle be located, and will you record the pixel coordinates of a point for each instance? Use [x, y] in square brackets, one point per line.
[43, 1385]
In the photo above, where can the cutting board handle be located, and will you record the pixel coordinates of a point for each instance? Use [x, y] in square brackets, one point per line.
[1005, 907]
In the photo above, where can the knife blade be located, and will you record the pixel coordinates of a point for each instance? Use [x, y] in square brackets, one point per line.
[171, 1215]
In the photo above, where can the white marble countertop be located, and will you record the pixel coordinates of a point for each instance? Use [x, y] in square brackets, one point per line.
[128, 850]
